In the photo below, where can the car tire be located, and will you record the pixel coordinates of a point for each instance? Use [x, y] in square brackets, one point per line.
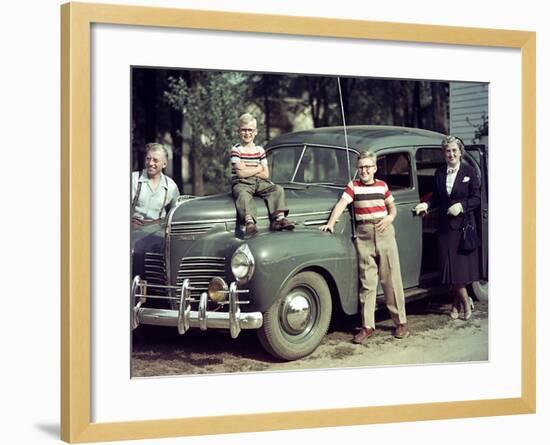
[299, 318]
[479, 290]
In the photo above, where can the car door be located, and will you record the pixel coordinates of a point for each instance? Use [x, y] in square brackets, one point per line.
[427, 160]
[395, 167]
[477, 156]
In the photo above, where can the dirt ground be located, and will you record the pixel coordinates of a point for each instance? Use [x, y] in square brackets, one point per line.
[435, 338]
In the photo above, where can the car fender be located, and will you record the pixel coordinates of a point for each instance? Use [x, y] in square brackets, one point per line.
[279, 256]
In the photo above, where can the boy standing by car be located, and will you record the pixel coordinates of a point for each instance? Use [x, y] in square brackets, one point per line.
[250, 177]
[376, 246]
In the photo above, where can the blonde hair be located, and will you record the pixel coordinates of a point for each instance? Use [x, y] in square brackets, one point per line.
[246, 118]
[155, 146]
[367, 155]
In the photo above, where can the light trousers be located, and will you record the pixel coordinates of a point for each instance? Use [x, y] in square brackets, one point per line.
[244, 191]
[378, 258]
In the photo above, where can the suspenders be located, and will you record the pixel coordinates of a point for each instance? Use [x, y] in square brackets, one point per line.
[136, 196]
[138, 191]
[165, 197]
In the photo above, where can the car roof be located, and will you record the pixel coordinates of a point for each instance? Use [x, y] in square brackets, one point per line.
[361, 137]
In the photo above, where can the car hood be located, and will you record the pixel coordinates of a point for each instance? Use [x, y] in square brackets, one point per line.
[300, 200]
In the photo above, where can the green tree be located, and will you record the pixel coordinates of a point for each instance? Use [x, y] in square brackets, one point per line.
[268, 92]
[210, 103]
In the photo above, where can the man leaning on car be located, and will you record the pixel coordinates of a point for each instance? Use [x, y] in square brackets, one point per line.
[152, 191]
[376, 246]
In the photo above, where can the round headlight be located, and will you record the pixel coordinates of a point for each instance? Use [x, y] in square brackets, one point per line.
[242, 263]
[217, 290]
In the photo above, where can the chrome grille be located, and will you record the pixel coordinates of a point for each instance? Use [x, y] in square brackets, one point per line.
[199, 271]
[155, 270]
[155, 273]
[196, 228]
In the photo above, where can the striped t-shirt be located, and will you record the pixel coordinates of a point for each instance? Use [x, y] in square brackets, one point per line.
[369, 200]
[252, 157]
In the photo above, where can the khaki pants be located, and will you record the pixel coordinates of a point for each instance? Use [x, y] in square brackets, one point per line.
[378, 257]
[244, 191]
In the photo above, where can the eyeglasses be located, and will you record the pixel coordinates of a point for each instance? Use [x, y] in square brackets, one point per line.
[365, 167]
[152, 160]
[247, 130]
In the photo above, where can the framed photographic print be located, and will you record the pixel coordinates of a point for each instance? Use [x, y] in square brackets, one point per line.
[132, 76]
[312, 155]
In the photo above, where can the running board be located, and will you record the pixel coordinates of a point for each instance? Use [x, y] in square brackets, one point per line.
[416, 293]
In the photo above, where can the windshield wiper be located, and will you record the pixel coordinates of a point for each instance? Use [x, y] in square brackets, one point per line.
[295, 185]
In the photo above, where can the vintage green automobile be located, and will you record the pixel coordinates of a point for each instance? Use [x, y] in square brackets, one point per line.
[198, 270]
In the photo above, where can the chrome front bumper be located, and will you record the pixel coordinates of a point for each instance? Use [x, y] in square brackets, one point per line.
[184, 318]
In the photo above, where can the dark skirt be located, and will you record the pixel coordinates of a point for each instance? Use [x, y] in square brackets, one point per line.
[455, 266]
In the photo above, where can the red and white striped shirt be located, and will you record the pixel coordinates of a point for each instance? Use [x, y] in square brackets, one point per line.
[369, 200]
[252, 157]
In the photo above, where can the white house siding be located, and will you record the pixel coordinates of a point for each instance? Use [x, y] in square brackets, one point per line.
[468, 102]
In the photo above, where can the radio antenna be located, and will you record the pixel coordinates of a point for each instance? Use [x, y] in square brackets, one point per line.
[345, 129]
[351, 207]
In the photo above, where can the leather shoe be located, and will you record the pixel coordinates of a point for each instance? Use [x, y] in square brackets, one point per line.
[250, 228]
[468, 312]
[282, 224]
[363, 335]
[401, 331]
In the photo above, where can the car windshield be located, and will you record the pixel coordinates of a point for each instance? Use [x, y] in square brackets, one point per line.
[310, 164]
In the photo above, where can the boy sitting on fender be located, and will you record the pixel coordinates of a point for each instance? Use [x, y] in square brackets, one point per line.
[249, 178]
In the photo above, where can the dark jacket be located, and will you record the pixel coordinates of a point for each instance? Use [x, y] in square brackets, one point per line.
[466, 191]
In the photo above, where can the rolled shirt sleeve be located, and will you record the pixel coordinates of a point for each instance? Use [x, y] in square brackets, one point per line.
[349, 194]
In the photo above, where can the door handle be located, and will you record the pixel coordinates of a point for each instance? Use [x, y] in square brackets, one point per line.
[413, 211]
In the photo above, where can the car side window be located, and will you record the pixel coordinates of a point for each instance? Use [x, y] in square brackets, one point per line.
[395, 170]
[428, 159]
[325, 165]
[282, 162]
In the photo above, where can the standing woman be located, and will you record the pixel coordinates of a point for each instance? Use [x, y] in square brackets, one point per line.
[456, 194]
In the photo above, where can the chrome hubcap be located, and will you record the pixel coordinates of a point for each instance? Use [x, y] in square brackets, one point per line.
[296, 313]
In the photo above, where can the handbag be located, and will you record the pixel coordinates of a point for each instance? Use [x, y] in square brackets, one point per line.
[469, 241]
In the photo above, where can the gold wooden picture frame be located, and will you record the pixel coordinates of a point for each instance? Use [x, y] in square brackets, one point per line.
[76, 372]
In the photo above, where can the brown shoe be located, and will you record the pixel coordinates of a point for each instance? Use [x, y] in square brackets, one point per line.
[282, 224]
[363, 335]
[250, 228]
[401, 331]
